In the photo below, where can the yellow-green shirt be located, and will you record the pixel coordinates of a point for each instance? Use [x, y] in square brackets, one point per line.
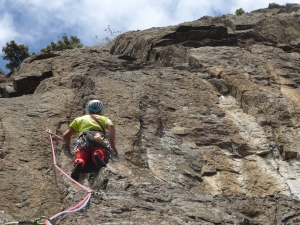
[86, 123]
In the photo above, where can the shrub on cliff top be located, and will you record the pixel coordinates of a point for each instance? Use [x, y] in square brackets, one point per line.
[64, 43]
[239, 12]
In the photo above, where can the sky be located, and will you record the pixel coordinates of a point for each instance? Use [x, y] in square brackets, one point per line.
[35, 23]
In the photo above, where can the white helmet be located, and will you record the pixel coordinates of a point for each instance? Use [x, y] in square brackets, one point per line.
[94, 106]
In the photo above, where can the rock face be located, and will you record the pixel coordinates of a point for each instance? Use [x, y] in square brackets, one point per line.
[207, 115]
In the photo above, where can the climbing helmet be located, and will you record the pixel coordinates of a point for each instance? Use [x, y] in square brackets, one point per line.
[94, 106]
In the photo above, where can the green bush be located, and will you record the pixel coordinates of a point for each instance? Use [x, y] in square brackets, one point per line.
[64, 43]
[239, 12]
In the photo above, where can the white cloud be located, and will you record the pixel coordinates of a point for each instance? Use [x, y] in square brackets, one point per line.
[7, 30]
[38, 22]
[87, 18]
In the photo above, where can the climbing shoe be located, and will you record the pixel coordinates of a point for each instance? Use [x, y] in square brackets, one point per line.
[76, 172]
[99, 162]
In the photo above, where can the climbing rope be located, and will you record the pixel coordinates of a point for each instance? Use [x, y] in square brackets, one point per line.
[60, 138]
[73, 209]
[84, 201]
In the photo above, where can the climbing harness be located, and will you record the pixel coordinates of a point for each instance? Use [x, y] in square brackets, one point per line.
[99, 141]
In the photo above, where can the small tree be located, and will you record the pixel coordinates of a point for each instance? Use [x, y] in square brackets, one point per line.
[239, 12]
[64, 43]
[15, 54]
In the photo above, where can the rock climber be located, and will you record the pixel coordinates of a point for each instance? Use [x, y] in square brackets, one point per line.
[91, 129]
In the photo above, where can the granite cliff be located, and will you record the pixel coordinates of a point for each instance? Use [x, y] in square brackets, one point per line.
[207, 115]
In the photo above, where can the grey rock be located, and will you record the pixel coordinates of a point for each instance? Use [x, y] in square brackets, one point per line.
[207, 125]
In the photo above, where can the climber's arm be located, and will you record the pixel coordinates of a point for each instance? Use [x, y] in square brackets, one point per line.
[112, 135]
[67, 135]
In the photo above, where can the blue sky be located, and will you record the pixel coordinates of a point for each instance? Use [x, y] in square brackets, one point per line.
[36, 23]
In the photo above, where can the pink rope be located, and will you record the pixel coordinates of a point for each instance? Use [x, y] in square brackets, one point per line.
[54, 162]
[60, 138]
[75, 182]
[76, 208]
[80, 203]
[83, 201]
